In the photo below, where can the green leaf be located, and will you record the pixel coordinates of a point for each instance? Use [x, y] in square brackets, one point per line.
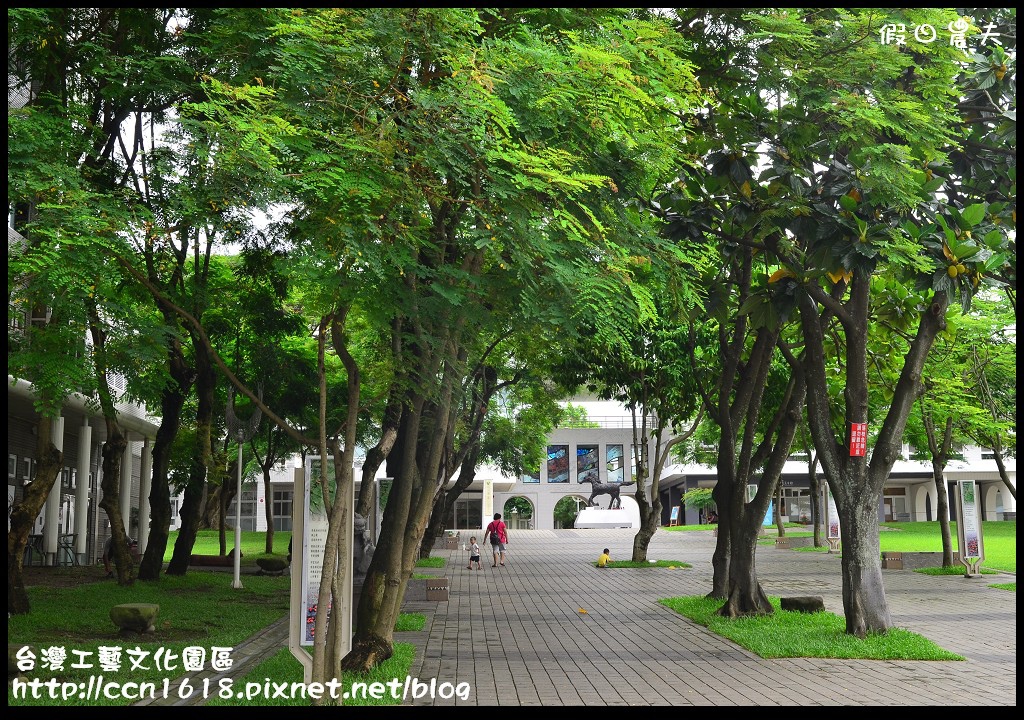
[993, 239]
[973, 214]
[848, 203]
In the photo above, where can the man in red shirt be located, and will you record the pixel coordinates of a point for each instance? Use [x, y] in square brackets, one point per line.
[497, 531]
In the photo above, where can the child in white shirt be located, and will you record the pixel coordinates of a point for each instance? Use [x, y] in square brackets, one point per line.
[474, 555]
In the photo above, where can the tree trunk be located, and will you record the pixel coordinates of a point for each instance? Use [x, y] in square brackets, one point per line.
[376, 455]
[745, 595]
[777, 510]
[722, 493]
[113, 453]
[191, 504]
[1003, 475]
[25, 511]
[421, 440]
[857, 483]
[222, 519]
[942, 513]
[172, 401]
[815, 486]
[864, 600]
[650, 519]
[445, 499]
[195, 491]
[159, 495]
[268, 511]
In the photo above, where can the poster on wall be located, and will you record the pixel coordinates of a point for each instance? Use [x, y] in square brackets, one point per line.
[969, 529]
[833, 516]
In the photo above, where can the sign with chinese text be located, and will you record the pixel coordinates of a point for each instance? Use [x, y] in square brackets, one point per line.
[314, 541]
[858, 439]
[833, 517]
[969, 528]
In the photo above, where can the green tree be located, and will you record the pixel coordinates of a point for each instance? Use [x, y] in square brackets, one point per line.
[646, 368]
[474, 165]
[566, 510]
[85, 71]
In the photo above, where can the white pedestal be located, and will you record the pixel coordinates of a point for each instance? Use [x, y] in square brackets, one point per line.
[592, 517]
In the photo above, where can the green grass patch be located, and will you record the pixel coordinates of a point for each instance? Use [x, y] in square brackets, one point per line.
[999, 538]
[253, 544]
[200, 609]
[955, 570]
[693, 528]
[410, 622]
[1012, 587]
[786, 634]
[284, 667]
[673, 564]
[431, 562]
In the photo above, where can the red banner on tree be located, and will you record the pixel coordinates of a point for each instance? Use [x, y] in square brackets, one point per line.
[858, 439]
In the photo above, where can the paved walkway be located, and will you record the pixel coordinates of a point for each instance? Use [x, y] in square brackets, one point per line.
[517, 637]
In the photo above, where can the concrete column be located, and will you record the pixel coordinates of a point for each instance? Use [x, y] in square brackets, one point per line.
[126, 487]
[145, 483]
[487, 502]
[97, 495]
[82, 491]
[51, 511]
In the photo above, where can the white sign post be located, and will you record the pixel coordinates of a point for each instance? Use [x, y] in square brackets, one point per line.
[968, 528]
[297, 615]
[832, 522]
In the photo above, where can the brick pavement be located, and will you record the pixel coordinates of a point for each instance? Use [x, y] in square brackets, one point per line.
[516, 635]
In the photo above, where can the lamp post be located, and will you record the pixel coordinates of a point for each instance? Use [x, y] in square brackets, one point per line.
[242, 432]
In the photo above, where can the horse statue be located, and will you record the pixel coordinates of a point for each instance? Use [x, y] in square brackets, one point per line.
[611, 489]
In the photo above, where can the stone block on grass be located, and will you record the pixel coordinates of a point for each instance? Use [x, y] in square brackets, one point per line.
[272, 565]
[135, 617]
[803, 603]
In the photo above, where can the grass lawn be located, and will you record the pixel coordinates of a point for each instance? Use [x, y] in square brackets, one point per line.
[253, 544]
[199, 610]
[816, 635]
[998, 536]
[670, 564]
[431, 562]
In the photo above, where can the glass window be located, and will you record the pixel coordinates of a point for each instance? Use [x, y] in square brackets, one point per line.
[558, 463]
[530, 477]
[635, 459]
[282, 509]
[248, 517]
[586, 464]
[613, 455]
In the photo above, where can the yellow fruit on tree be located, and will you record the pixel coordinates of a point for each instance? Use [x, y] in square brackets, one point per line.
[952, 271]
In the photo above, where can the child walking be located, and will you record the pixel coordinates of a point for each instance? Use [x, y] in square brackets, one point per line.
[474, 555]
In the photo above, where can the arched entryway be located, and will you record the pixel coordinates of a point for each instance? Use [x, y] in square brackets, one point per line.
[566, 510]
[518, 513]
